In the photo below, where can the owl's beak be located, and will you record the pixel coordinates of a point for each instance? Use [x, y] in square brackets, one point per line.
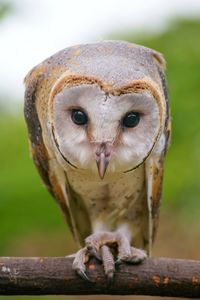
[102, 160]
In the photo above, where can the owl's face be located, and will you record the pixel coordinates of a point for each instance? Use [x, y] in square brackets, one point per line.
[97, 131]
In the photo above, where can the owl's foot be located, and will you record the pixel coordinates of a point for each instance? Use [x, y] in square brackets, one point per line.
[100, 245]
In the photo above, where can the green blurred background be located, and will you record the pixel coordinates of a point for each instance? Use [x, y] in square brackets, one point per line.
[31, 224]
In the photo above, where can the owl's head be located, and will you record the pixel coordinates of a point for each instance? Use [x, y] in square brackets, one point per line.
[101, 131]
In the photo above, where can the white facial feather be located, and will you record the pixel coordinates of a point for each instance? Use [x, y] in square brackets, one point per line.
[128, 146]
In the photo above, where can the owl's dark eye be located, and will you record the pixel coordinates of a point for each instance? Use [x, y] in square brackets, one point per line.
[79, 117]
[131, 119]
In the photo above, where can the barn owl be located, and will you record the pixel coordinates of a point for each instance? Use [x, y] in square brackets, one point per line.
[99, 126]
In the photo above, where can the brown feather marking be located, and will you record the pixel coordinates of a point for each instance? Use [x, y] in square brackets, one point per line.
[60, 198]
[157, 174]
[81, 218]
[167, 134]
[156, 186]
[72, 79]
[38, 150]
[157, 168]
[40, 158]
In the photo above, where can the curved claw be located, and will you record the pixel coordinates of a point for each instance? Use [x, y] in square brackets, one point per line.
[118, 262]
[83, 275]
[110, 276]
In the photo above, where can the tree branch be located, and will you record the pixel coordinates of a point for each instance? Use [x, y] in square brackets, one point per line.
[154, 277]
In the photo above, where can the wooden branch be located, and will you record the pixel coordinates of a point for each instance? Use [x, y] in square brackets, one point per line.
[44, 276]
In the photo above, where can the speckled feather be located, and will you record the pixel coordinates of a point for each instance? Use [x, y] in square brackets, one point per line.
[131, 68]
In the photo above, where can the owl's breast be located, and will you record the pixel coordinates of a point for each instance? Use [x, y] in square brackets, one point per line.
[115, 198]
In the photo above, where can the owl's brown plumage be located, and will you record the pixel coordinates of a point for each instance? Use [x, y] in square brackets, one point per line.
[112, 72]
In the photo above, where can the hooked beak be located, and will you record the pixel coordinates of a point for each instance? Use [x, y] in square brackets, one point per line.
[102, 160]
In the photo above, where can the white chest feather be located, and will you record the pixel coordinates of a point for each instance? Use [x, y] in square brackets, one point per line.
[112, 201]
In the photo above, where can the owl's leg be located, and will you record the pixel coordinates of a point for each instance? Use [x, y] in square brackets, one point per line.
[99, 244]
[126, 253]
[81, 258]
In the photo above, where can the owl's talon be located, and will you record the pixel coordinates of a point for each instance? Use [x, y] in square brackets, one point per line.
[118, 262]
[98, 245]
[136, 257]
[83, 275]
[78, 265]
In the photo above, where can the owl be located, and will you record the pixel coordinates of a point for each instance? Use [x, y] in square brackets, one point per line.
[99, 126]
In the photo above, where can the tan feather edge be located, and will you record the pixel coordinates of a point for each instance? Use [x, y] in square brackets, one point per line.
[37, 148]
[155, 167]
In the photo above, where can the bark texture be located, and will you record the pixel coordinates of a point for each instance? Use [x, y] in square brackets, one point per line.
[154, 277]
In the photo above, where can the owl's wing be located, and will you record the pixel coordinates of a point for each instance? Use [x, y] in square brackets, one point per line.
[37, 147]
[154, 170]
[68, 201]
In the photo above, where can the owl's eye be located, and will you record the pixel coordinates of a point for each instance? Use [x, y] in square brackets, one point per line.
[79, 117]
[131, 119]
